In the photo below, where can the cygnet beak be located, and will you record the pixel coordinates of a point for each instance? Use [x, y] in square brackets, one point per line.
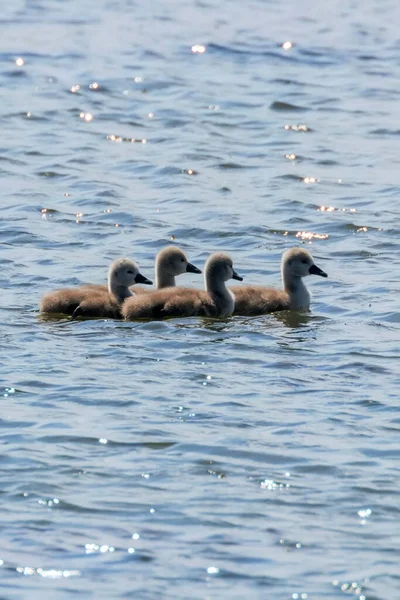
[314, 270]
[236, 276]
[192, 269]
[142, 279]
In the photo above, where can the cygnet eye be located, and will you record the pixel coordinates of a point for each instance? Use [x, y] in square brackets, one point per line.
[304, 261]
[130, 272]
[182, 260]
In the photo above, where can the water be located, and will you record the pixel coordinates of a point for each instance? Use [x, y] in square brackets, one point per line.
[247, 458]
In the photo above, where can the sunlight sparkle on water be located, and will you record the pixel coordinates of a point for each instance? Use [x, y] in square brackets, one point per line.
[290, 156]
[198, 49]
[297, 127]
[118, 138]
[94, 548]
[212, 570]
[49, 503]
[50, 573]
[287, 45]
[350, 588]
[309, 235]
[86, 116]
[75, 88]
[114, 138]
[332, 209]
[269, 484]
[94, 86]
[364, 513]
[20, 62]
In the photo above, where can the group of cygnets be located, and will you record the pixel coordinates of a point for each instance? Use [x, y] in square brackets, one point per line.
[118, 300]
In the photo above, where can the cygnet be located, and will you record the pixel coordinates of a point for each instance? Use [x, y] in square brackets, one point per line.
[256, 300]
[122, 273]
[215, 301]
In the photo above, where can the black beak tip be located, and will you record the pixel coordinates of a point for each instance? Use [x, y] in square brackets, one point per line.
[314, 270]
[142, 279]
[192, 269]
[236, 276]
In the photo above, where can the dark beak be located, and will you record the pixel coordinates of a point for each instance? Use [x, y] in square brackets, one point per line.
[236, 276]
[142, 279]
[314, 270]
[192, 269]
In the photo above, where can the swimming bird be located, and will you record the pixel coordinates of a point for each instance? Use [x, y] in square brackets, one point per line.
[215, 301]
[256, 300]
[170, 262]
[122, 273]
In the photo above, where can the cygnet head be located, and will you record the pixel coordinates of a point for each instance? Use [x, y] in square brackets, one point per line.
[218, 268]
[173, 262]
[298, 262]
[123, 273]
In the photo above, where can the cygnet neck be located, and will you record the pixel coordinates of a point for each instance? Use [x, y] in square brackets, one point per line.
[295, 289]
[217, 289]
[118, 290]
[163, 277]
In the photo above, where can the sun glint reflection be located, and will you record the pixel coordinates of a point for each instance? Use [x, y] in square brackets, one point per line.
[86, 116]
[332, 209]
[309, 235]
[198, 49]
[297, 127]
[50, 573]
[94, 548]
[118, 138]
